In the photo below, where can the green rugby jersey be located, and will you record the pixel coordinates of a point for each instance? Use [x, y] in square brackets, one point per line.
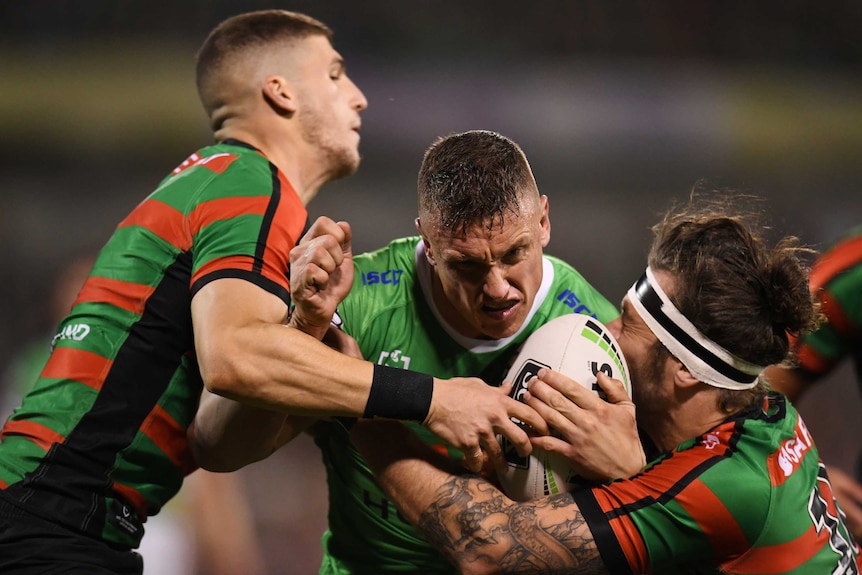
[748, 497]
[99, 443]
[388, 313]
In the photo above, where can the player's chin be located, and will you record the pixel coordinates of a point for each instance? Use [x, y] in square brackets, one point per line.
[346, 165]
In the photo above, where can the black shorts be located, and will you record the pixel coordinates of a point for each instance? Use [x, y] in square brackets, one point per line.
[30, 545]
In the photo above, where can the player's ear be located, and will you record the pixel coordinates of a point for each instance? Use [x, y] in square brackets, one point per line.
[279, 93]
[546, 220]
[682, 377]
[429, 253]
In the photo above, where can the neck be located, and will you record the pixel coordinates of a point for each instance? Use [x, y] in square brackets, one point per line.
[691, 416]
[297, 165]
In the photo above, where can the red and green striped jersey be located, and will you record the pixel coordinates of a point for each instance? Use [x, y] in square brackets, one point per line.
[748, 497]
[99, 443]
[836, 280]
[391, 314]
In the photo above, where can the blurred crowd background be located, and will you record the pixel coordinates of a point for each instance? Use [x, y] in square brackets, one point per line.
[620, 106]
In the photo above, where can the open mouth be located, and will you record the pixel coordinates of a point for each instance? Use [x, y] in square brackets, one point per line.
[500, 313]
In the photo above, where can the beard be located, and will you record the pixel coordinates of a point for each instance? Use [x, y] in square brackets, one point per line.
[648, 390]
[339, 158]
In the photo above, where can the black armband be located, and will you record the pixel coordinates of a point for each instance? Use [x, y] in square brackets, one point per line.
[399, 394]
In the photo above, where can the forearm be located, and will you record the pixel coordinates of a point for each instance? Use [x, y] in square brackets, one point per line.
[227, 435]
[280, 368]
[246, 353]
[474, 524]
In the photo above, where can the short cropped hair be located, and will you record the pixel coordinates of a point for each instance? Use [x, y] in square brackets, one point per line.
[240, 34]
[473, 177]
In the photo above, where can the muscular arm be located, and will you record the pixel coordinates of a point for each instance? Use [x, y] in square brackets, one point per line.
[248, 355]
[475, 525]
[227, 435]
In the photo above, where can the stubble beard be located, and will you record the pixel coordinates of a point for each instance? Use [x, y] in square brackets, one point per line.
[647, 389]
[339, 159]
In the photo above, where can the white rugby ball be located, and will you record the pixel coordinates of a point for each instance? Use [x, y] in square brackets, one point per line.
[578, 346]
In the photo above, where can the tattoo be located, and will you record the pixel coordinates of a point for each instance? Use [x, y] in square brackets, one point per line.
[471, 521]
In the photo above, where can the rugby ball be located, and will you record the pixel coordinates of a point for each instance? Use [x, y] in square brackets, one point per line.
[578, 346]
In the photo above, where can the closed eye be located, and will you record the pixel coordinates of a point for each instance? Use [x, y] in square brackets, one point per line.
[338, 70]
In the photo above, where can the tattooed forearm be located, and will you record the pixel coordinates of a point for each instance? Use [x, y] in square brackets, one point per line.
[480, 529]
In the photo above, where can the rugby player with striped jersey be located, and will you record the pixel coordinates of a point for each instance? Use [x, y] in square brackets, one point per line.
[836, 282]
[191, 292]
[734, 483]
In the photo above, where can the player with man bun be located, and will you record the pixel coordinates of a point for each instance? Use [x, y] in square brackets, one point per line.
[734, 485]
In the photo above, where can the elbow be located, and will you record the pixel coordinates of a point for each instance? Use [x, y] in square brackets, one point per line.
[223, 372]
[206, 456]
[220, 383]
[222, 457]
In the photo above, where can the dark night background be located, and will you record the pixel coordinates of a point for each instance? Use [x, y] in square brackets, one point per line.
[620, 106]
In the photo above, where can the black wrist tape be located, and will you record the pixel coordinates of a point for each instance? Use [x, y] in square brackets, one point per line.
[399, 394]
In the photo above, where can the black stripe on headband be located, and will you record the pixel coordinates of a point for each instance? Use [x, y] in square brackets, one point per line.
[653, 304]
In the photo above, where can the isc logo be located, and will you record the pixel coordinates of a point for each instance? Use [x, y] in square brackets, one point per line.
[386, 277]
[528, 371]
[572, 300]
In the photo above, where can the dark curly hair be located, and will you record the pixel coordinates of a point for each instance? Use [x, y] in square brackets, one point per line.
[744, 294]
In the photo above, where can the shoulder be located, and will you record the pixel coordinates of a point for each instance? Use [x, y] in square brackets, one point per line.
[399, 254]
[387, 272]
[729, 462]
[562, 267]
[749, 461]
[573, 290]
[384, 284]
[222, 166]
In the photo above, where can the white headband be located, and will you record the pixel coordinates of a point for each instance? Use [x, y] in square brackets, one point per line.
[705, 359]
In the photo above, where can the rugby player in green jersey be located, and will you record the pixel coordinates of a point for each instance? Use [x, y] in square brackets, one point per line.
[455, 300]
[190, 292]
[734, 483]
